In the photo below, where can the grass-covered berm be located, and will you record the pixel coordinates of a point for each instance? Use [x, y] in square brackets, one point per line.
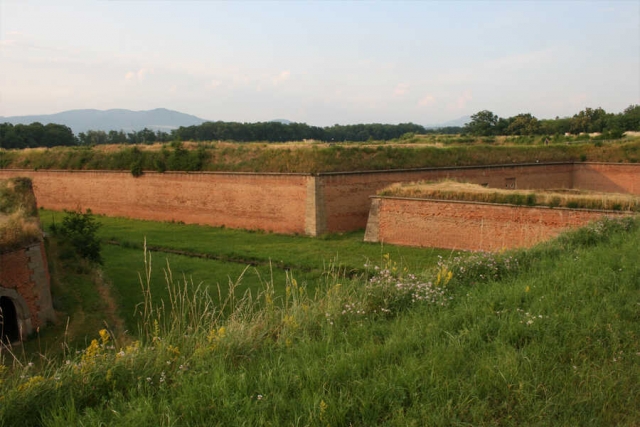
[547, 336]
[309, 157]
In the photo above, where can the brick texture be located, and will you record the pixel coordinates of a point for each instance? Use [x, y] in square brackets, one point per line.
[271, 202]
[346, 195]
[290, 203]
[608, 177]
[25, 271]
[470, 226]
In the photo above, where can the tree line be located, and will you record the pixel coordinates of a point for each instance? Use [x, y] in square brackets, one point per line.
[483, 123]
[589, 120]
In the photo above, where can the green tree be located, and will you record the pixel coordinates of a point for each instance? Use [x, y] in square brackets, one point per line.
[630, 118]
[589, 120]
[483, 123]
[523, 124]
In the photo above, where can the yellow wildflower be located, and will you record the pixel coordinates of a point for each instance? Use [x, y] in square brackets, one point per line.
[104, 336]
[31, 383]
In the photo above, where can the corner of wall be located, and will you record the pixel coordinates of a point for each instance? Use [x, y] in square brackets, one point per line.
[372, 233]
[41, 282]
[315, 220]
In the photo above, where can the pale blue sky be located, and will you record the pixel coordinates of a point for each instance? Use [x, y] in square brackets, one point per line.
[320, 62]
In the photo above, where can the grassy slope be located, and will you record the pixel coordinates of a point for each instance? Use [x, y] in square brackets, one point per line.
[556, 344]
[305, 158]
[234, 251]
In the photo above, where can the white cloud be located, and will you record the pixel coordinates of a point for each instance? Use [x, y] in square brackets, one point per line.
[461, 102]
[283, 76]
[401, 89]
[139, 75]
[7, 43]
[426, 101]
[213, 84]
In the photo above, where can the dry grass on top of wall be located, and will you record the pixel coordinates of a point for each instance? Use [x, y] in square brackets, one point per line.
[308, 157]
[463, 191]
[19, 222]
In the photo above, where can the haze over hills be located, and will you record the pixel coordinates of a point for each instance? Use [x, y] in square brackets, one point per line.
[128, 120]
[116, 119]
[457, 122]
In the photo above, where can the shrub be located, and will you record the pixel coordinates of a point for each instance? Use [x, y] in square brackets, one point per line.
[136, 168]
[78, 230]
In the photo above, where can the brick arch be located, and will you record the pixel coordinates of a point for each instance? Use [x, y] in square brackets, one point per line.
[22, 312]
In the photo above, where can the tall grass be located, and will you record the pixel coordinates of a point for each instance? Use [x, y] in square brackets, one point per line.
[18, 214]
[552, 339]
[453, 190]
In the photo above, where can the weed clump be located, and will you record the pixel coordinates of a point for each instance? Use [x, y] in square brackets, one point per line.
[19, 223]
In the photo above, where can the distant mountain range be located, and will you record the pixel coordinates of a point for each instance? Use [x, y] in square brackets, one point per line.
[451, 123]
[117, 119]
[128, 120]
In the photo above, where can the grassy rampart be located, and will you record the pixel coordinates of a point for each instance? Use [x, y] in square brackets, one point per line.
[547, 336]
[310, 157]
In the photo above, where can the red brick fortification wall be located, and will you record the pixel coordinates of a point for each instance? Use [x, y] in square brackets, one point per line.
[608, 177]
[272, 202]
[345, 196]
[469, 225]
[24, 278]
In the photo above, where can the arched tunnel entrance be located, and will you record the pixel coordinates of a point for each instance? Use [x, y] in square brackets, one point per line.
[9, 329]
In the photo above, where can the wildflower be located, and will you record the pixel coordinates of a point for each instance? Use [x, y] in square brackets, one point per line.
[323, 409]
[31, 383]
[90, 354]
[104, 336]
[259, 397]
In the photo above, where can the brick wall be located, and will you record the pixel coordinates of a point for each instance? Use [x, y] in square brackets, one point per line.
[346, 195]
[290, 203]
[608, 177]
[24, 278]
[469, 225]
[272, 202]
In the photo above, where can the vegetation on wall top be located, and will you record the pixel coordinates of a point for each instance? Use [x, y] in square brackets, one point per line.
[464, 191]
[19, 222]
[310, 158]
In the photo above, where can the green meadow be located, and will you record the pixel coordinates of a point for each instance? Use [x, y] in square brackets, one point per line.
[214, 258]
[545, 336]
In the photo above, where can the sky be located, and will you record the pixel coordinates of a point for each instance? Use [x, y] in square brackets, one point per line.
[320, 62]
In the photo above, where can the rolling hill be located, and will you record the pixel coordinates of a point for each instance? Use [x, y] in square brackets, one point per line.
[115, 119]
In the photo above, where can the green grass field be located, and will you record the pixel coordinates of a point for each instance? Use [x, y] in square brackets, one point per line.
[548, 336]
[217, 256]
